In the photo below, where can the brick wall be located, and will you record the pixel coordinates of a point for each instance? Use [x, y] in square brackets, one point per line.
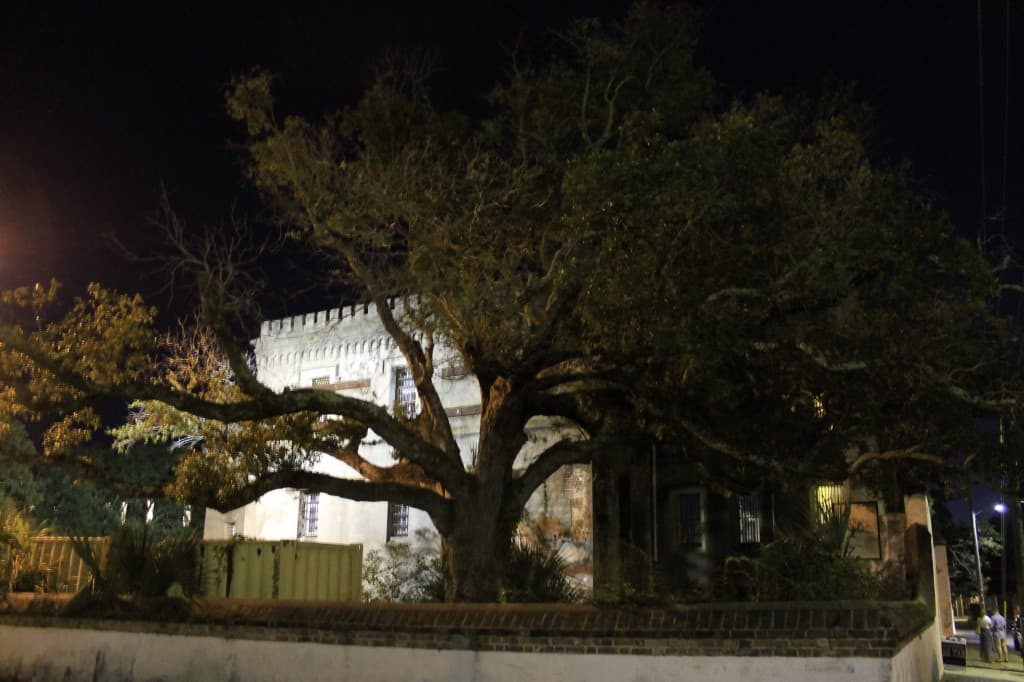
[838, 629]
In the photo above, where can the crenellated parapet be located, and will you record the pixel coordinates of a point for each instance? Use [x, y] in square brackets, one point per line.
[348, 316]
[351, 337]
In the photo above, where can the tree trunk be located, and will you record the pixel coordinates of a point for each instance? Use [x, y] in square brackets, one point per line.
[476, 549]
[475, 552]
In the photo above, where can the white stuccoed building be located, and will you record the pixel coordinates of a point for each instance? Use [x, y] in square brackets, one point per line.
[347, 350]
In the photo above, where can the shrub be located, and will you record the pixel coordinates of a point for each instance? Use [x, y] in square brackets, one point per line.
[404, 572]
[413, 572]
[811, 562]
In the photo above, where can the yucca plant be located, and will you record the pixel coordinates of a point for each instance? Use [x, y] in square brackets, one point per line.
[144, 563]
[537, 573]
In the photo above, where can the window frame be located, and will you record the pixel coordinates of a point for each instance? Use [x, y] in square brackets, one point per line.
[749, 511]
[680, 527]
[397, 521]
[829, 497]
[406, 397]
[309, 514]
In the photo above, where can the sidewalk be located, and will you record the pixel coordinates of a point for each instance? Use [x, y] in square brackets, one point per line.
[976, 670]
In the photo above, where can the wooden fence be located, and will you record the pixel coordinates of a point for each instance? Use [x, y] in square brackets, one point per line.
[57, 559]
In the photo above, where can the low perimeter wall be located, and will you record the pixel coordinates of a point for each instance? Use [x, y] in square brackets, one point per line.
[262, 640]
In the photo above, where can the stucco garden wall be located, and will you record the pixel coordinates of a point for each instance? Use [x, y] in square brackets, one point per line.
[256, 640]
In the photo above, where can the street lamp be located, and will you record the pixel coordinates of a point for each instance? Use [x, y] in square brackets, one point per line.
[1000, 508]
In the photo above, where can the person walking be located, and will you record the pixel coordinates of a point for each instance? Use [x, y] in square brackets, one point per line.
[986, 640]
[999, 630]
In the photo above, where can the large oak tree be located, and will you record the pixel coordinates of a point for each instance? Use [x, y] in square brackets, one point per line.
[603, 245]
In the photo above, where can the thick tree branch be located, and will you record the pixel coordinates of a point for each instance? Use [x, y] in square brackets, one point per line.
[420, 363]
[537, 352]
[435, 461]
[993, 404]
[713, 442]
[733, 292]
[353, 489]
[913, 453]
[402, 471]
[819, 359]
[240, 370]
[816, 356]
[568, 370]
[563, 406]
[560, 454]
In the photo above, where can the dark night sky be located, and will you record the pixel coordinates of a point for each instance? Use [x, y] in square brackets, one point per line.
[100, 105]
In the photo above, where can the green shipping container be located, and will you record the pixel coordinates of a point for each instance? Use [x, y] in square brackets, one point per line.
[284, 569]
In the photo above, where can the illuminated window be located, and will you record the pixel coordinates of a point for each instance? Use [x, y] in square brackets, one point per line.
[829, 500]
[405, 393]
[309, 514]
[398, 520]
[748, 509]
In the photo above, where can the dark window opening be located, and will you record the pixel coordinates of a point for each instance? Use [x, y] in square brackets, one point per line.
[690, 520]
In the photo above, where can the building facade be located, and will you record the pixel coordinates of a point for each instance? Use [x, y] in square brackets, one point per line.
[640, 518]
[347, 350]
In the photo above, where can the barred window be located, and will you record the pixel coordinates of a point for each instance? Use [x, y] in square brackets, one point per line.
[748, 509]
[309, 514]
[690, 520]
[398, 520]
[321, 381]
[405, 393]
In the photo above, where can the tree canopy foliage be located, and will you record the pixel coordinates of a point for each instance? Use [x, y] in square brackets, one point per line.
[606, 244]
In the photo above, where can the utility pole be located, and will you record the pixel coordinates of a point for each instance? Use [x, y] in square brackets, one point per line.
[977, 557]
[977, 546]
